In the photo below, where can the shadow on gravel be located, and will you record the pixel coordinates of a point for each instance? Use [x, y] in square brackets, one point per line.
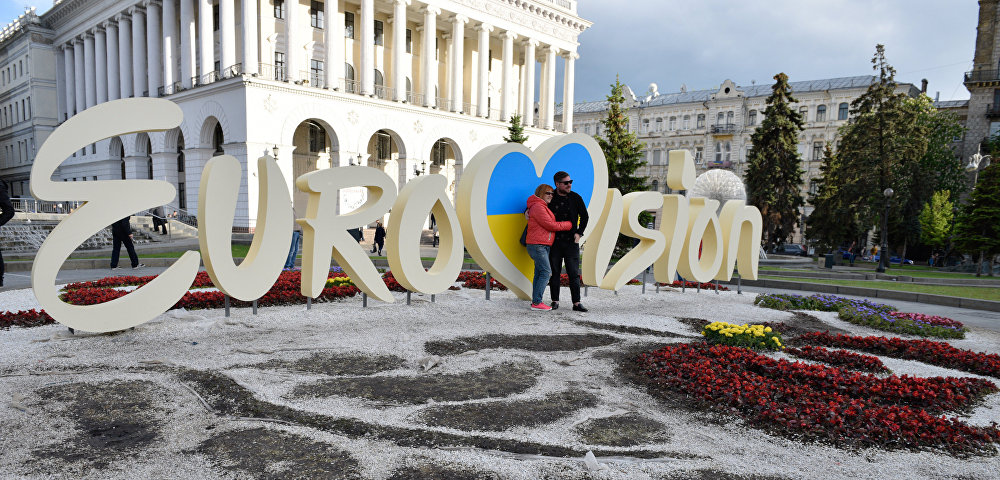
[532, 343]
[335, 364]
[423, 472]
[626, 430]
[268, 454]
[501, 415]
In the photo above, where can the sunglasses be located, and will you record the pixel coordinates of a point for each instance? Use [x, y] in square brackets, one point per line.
[547, 193]
[567, 182]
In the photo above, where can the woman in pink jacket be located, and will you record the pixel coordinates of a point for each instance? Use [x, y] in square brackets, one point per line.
[542, 226]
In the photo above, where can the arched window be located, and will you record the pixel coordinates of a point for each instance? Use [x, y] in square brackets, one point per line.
[752, 117]
[181, 177]
[379, 84]
[718, 151]
[842, 111]
[217, 139]
[659, 124]
[409, 90]
[729, 149]
[821, 113]
[645, 125]
[673, 123]
[349, 85]
[439, 153]
[804, 111]
[656, 185]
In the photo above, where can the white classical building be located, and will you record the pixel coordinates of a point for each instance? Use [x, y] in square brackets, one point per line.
[406, 86]
[716, 124]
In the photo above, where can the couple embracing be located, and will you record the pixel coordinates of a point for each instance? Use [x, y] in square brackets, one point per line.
[556, 221]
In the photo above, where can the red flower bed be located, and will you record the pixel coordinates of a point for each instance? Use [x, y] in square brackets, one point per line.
[477, 280]
[24, 318]
[927, 351]
[823, 403]
[703, 286]
[564, 280]
[840, 358]
[933, 320]
[392, 283]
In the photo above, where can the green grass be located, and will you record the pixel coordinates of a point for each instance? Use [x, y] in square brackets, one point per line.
[908, 270]
[979, 293]
[239, 251]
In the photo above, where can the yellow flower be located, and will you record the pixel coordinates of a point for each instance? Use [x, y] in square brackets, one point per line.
[768, 329]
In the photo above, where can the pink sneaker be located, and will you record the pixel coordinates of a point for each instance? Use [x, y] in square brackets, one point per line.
[540, 306]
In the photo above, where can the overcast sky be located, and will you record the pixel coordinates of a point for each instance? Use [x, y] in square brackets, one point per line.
[700, 43]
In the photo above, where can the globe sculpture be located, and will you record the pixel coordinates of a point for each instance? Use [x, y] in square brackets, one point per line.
[718, 184]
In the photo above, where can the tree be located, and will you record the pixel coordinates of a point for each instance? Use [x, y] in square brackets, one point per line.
[978, 226]
[622, 149]
[516, 131]
[833, 220]
[936, 220]
[773, 176]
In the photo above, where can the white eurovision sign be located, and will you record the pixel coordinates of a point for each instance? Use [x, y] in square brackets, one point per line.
[692, 238]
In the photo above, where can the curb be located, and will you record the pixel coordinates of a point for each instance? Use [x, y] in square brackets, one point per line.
[971, 303]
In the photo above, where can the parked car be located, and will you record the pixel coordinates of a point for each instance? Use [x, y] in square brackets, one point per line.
[894, 259]
[790, 249]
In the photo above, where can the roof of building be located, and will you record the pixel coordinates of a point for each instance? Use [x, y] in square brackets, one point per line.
[951, 104]
[748, 92]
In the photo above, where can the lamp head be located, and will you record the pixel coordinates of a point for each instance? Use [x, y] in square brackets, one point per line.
[275, 151]
[888, 192]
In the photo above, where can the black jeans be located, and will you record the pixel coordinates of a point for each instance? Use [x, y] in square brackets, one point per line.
[1, 268]
[570, 252]
[116, 250]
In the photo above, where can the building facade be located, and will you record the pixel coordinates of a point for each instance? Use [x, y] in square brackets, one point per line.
[983, 81]
[405, 86]
[715, 125]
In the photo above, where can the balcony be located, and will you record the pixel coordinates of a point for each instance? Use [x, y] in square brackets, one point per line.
[724, 164]
[724, 129]
[980, 76]
[993, 111]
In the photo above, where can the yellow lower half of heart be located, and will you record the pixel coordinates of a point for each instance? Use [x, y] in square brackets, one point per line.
[506, 230]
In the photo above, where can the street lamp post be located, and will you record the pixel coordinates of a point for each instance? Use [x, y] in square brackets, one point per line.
[977, 162]
[883, 261]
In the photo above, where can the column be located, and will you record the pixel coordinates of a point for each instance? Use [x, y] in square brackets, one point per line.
[457, 62]
[250, 63]
[507, 102]
[482, 89]
[154, 37]
[568, 77]
[292, 46]
[89, 70]
[550, 87]
[206, 39]
[139, 81]
[542, 91]
[428, 68]
[69, 81]
[114, 73]
[79, 75]
[169, 46]
[529, 82]
[399, 49]
[165, 163]
[367, 70]
[101, 63]
[188, 45]
[227, 32]
[125, 55]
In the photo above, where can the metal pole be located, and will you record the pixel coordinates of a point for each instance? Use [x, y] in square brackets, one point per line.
[364, 299]
[739, 284]
[407, 297]
[432, 298]
[716, 286]
[309, 303]
[255, 306]
[227, 305]
[698, 287]
[489, 282]
[644, 282]
[586, 289]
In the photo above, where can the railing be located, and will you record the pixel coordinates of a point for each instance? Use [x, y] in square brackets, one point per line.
[313, 78]
[726, 164]
[352, 86]
[557, 126]
[232, 71]
[415, 99]
[727, 128]
[993, 110]
[982, 76]
[468, 109]
[273, 72]
[169, 89]
[443, 103]
[30, 205]
[384, 92]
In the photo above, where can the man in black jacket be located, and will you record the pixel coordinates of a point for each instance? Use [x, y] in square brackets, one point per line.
[121, 233]
[567, 205]
[6, 213]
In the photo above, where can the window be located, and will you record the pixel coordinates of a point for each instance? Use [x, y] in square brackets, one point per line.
[279, 66]
[439, 153]
[586, 129]
[217, 139]
[215, 18]
[659, 124]
[316, 14]
[279, 8]
[842, 112]
[687, 122]
[437, 48]
[349, 85]
[645, 125]
[720, 118]
[821, 113]
[729, 118]
[817, 151]
[812, 188]
[673, 123]
[317, 138]
[804, 111]
[718, 151]
[379, 33]
[729, 149]
[701, 121]
[348, 25]
[409, 41]
[657, 158]
[656, 185]
[752, 118]
[316, 76]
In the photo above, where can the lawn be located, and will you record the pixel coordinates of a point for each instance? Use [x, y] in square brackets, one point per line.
[920, 271]
[979, 293]
[239, 251]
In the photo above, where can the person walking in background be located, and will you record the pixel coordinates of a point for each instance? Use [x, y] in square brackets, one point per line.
[852, 251]
[379, 238]
[159, 221]
[121, 234]
[434, 231]
[293, 250]
[542, 226]
[6, 213]
[567, 205]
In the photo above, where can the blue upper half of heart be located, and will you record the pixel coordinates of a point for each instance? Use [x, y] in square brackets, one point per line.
[514, 178]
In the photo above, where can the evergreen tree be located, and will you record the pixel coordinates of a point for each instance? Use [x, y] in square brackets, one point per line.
[978, 228]
[516, 131]
[936, 220]
[773, 176]
[622, 149]
[832, 222]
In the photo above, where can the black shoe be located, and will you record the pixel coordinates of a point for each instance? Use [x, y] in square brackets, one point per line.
[141, 265]
[579, 307]
[555, 305]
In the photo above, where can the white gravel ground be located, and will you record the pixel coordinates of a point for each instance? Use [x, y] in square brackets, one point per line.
[34, 358]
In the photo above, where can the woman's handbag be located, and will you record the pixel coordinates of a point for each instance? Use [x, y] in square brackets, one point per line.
[524, 236]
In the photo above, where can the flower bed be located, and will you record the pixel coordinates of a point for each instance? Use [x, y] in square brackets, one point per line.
[24, 318]
[840, 358]
[817, 402]
[757, 337]
[927, 351]
[703, 286]
[866, 313]
[477, 280]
